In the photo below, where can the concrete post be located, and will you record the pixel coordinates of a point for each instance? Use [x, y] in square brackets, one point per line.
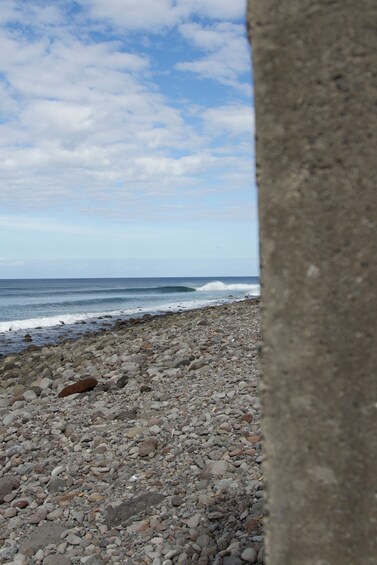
[316, 121]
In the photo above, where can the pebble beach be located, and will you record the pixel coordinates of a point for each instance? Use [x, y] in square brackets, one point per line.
[140, 444]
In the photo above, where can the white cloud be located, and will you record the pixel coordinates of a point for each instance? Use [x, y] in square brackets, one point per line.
[155, 15]
[232, 119]
[85, 124]
[227, 55]
[216, 9]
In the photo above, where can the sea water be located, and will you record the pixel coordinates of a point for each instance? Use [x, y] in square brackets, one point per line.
[52, 309]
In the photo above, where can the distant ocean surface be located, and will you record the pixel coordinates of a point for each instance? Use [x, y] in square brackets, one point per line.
[53, 309]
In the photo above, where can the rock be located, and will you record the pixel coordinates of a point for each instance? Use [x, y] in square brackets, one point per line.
[121, 383]
[91, 560]
[44, 535]
[57, 485]
[126, 415]
[29, 395]
[72, 539]
[176, 501]
[199, 364]
[85, 385]
[148, 446]
[7, 485]
[7, 553]
[56, 560]
[145, 388]
[194, 521]
[20, 504]
[119, 514]
[39, 515]
[249, 555]
[46, 383]
[180, 362]
[232, 560]
[215, 469]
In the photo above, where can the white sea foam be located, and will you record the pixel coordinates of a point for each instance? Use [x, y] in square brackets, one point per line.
[49, 321]
[218, 285]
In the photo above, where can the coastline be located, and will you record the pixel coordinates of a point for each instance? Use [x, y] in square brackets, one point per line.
[33, 338]
[158, 464]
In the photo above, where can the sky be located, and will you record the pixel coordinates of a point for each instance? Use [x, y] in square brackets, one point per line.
[127, 139]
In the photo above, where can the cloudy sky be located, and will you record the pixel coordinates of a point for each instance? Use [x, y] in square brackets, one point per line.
[126, 139]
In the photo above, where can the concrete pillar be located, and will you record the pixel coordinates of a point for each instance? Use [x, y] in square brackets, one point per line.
[316, 121]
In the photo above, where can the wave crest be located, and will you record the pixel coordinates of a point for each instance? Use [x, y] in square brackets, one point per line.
[218, 285]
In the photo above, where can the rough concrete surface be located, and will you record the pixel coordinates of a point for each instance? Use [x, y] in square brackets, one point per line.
[316, 123]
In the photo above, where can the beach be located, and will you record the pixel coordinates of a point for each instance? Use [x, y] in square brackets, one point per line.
[157, 462]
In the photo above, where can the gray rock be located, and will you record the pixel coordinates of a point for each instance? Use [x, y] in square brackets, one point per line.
[57, 485]
[8, 553]
[45, 534]
[215, 468]
[56, 560]
[249, 555]
[73, 539]
[261, 555]
[7, 484]
[119, 514]
[121, 383]
[180, 362]
[232, 560]
[91, 560]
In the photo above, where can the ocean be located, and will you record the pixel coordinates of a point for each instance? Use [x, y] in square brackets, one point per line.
[45, 311]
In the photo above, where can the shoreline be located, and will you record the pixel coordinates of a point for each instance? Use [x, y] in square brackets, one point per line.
[158, 464]
[33, 339]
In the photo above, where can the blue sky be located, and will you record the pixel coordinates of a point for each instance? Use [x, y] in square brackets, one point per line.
[127, 139]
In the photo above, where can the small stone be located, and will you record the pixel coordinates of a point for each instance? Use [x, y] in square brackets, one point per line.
[8, 553]
[148, 446]
[120, 513]
[20, 504]
[7, 484]
[145, 388]
[121, 383]
[57, 470]
[215, 468]
[44, 535]
[176, 501]
[194, 521]
[56, 560]
[20, 559]
[72, 539]
[84, 385]
[249, 555]
[39, 515]
[232, 560]
[29, 395]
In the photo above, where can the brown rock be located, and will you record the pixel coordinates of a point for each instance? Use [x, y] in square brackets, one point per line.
[84, 385]
[247, 418]
[253, 523]
[20, 504]
[7, 484]
[236, 453]
[145, 388]
[254, 438]
[148, 446]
